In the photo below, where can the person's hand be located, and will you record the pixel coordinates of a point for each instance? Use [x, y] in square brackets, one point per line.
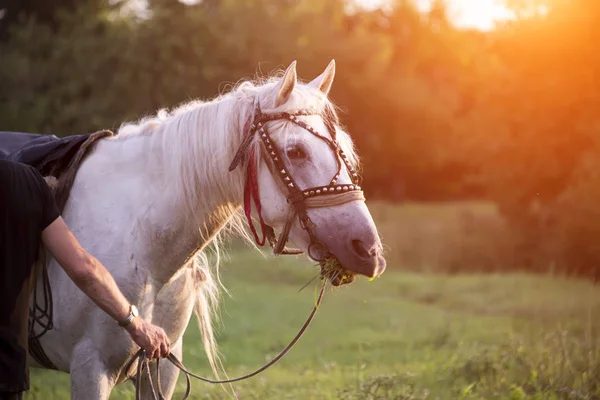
[151, 338]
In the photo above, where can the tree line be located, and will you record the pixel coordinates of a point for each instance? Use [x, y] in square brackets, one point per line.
[437, 113]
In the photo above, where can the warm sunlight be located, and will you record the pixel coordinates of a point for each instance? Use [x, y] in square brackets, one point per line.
[478, 14]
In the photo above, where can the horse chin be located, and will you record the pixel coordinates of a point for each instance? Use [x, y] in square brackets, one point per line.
[342, 271]
[343, 280]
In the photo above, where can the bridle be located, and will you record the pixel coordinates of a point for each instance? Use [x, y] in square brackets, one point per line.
[301, 200]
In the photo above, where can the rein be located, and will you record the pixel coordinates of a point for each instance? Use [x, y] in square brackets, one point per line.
[301, 200]
[144, 362]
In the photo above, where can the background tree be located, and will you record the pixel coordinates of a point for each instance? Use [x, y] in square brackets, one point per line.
[438, 113]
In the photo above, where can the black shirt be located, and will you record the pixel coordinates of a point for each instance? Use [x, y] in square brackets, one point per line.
[27, 207]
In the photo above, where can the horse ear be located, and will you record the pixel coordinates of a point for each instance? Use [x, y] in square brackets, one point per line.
[287, 85]
[324, 81]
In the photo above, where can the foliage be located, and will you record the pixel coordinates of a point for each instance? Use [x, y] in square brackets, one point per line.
[437, 113]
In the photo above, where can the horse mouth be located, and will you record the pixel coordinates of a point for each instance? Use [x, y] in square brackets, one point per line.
[334, 271]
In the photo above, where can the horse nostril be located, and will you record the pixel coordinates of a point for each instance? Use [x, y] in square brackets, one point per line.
[360, 248]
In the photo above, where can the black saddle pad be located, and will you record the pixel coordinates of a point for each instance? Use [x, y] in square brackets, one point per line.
[39, 150]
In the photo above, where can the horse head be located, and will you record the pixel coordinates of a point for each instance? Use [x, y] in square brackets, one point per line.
[306, 168]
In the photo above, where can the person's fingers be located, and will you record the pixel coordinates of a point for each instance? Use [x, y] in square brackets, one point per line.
[153, 340]
[150, 349]
[156, 353]
[164, 349]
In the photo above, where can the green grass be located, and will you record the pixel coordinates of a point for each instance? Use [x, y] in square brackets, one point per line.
[403, 336]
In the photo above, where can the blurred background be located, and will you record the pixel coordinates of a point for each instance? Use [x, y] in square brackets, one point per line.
[448, 101]
[478, 124]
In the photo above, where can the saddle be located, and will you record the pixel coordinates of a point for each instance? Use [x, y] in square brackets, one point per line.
[57, 160]
[50, 155]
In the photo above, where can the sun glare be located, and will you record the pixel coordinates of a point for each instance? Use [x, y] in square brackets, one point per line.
[477, 14]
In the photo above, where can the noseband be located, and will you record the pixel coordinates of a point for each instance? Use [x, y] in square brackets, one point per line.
[301, 199]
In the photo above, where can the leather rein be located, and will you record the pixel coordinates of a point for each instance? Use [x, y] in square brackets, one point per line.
[301, 200]
[143, 363]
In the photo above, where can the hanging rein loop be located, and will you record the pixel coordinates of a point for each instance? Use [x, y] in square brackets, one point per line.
[144, 363]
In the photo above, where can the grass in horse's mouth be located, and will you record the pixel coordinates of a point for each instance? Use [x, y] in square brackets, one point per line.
[333, 270]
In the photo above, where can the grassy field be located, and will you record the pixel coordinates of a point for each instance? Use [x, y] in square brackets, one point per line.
[403, 336]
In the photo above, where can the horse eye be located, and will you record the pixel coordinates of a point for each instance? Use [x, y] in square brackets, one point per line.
[296, 153]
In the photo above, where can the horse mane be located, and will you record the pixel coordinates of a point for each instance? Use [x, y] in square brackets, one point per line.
[199, 139]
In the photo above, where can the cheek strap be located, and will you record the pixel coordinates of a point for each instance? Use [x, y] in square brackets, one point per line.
[250, 186]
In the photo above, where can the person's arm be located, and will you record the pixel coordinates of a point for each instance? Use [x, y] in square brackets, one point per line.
[98, 284]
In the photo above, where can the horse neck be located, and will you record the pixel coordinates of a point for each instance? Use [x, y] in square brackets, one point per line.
[194, 194]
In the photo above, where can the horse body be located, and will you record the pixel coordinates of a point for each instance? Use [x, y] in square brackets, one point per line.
[140, 231]
[146, 203]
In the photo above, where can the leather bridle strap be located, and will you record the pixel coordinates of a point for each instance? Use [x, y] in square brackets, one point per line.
[279, 244]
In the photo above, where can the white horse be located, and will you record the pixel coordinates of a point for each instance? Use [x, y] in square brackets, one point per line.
[147, 201]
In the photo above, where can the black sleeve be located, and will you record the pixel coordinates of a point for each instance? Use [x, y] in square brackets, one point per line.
[49, 208]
